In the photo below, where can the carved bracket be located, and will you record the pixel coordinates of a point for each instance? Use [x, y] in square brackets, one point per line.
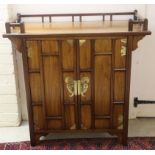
[136, 39]
[17, 43]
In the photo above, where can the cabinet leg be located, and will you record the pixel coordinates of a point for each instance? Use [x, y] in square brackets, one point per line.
[123, 139]
[35, 140]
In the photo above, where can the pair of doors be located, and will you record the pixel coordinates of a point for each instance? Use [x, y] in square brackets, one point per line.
[77, 84]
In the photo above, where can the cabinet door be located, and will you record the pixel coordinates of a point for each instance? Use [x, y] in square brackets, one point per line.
[101, 70]
[84, 68]
[51, 63]
[109, 81]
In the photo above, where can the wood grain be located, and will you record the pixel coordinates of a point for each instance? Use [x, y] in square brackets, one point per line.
[52, 86]
[50, 46]
[102, 124]
[55, 124]
[35, 86]
[85, 54]
[102, 85]
[70, 121]
[33, 55]
[78, 27]
[103, 45]
[37, 118]
[68, 54]
[86, 117]
[118, 117]
[119, 86]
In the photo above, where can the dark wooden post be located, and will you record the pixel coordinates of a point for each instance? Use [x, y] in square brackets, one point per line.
[145, 25]
[130, 25]
[135, 14]
[7, 27]
[22, 27]
[18, 18]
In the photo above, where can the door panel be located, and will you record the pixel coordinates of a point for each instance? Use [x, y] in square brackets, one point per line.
[102, 124]
[119, 86]
[51, 72]
[86, 116]
[50, 47]
[33, 51]
[85, 54]
[103, 45]
[33, 55]
[84, 75]
[55, 124]
[118, 117]
[120, 57]
[102, 85]
[85, 97]
[68, 55]
[69, 76]
[38, 118]
[69, 98]
[70, 115]
[35, 86]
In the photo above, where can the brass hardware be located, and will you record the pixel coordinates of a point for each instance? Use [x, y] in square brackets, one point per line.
[75, 88]
[79, 87]
[82, 42]
[70, 83]
[70, 42]
[123, 47]
[124, 41]
[73, 127]
[84, 83]
[120, 121]
[83, 127]
[29, 53]
[123, 51]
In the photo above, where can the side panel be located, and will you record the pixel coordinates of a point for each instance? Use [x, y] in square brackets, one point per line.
[33, 51]
[102, 75]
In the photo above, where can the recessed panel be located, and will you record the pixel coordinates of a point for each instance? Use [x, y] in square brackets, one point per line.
[103, 45]
[102, 124]
[102, 85]
[118, 117]
[35, 87]
[67, 52]
[50, 47]
[86, 87]
[33, 55]
[119, 86]
[38, 117]
[120, 53]
[68, 87]
[70, 121]
[85, 54]
[86, 117]
[55, 125]
[53, 85]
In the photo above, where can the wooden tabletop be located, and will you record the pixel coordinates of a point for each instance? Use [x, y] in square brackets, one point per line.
[78, 27]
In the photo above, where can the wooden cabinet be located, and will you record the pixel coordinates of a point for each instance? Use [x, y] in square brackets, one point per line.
[77, 82]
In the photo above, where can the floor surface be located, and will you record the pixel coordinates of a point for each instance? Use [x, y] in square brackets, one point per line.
[142, 127]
